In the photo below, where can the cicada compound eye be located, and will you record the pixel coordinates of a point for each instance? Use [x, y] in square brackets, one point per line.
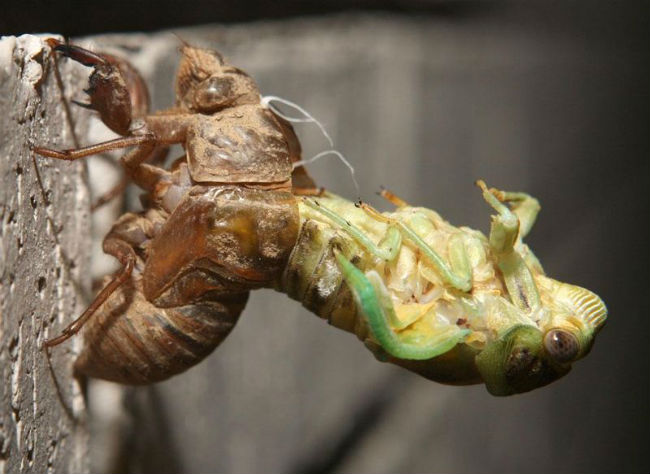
[213, 94]
[561, 345]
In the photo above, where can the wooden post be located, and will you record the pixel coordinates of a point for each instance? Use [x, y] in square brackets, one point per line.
[44, 249]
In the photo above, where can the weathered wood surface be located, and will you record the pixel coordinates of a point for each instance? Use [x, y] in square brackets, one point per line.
[44, 250]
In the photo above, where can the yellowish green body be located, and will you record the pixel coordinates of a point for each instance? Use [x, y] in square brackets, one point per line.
[446, 302]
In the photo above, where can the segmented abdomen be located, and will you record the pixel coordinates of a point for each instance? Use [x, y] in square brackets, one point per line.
[312, 277]
[132, 341]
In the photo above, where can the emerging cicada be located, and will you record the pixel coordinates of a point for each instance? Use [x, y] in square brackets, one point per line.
[236, 212]
[445, 302]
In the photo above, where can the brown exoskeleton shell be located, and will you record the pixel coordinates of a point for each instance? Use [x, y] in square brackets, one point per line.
[131, 340]
[222, 221]
[239, 239]
[242, 145]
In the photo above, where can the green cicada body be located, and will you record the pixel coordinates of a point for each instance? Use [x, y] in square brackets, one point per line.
[446, 302]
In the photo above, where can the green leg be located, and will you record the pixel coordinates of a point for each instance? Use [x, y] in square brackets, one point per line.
[375, 303]
[504, 232]
[458, 275]
[523, 205]
[458, 258]
[388, 247]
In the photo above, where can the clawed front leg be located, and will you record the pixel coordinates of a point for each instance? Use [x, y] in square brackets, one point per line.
[116, 90]
[118, 94]
[504, 233]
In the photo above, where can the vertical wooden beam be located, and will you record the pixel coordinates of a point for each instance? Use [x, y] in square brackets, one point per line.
[44, 249]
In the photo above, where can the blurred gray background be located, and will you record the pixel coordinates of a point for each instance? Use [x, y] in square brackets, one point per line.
[550, 99]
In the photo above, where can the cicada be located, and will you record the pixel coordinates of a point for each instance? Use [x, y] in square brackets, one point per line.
[445, 302]
[237, 212]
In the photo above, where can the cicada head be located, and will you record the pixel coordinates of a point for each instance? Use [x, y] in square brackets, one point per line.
[527, 357]
[206, 83]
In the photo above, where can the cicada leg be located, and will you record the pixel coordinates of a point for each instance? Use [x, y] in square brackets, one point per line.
[144, 175]
[392, 198]
[115, 144]
[158, 156]
[125, 254]
[116, 90]
[504, 234]
[388, 247]
[523, 205]
[119, 95]
[458, 274]
[123, 240]
[375, 303]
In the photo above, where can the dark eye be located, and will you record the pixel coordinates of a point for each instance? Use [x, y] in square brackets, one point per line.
[213, 93]
[561, 345]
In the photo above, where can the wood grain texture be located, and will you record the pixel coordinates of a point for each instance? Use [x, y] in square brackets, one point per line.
[44, 250]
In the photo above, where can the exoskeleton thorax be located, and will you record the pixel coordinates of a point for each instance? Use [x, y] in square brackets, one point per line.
[222, 220]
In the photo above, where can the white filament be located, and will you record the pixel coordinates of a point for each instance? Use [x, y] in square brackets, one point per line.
[268, 100]
[340, 156]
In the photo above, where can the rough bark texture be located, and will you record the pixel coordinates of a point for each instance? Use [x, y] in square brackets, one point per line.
[44, 249]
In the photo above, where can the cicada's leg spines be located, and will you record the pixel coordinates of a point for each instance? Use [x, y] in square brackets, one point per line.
[375, 303]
